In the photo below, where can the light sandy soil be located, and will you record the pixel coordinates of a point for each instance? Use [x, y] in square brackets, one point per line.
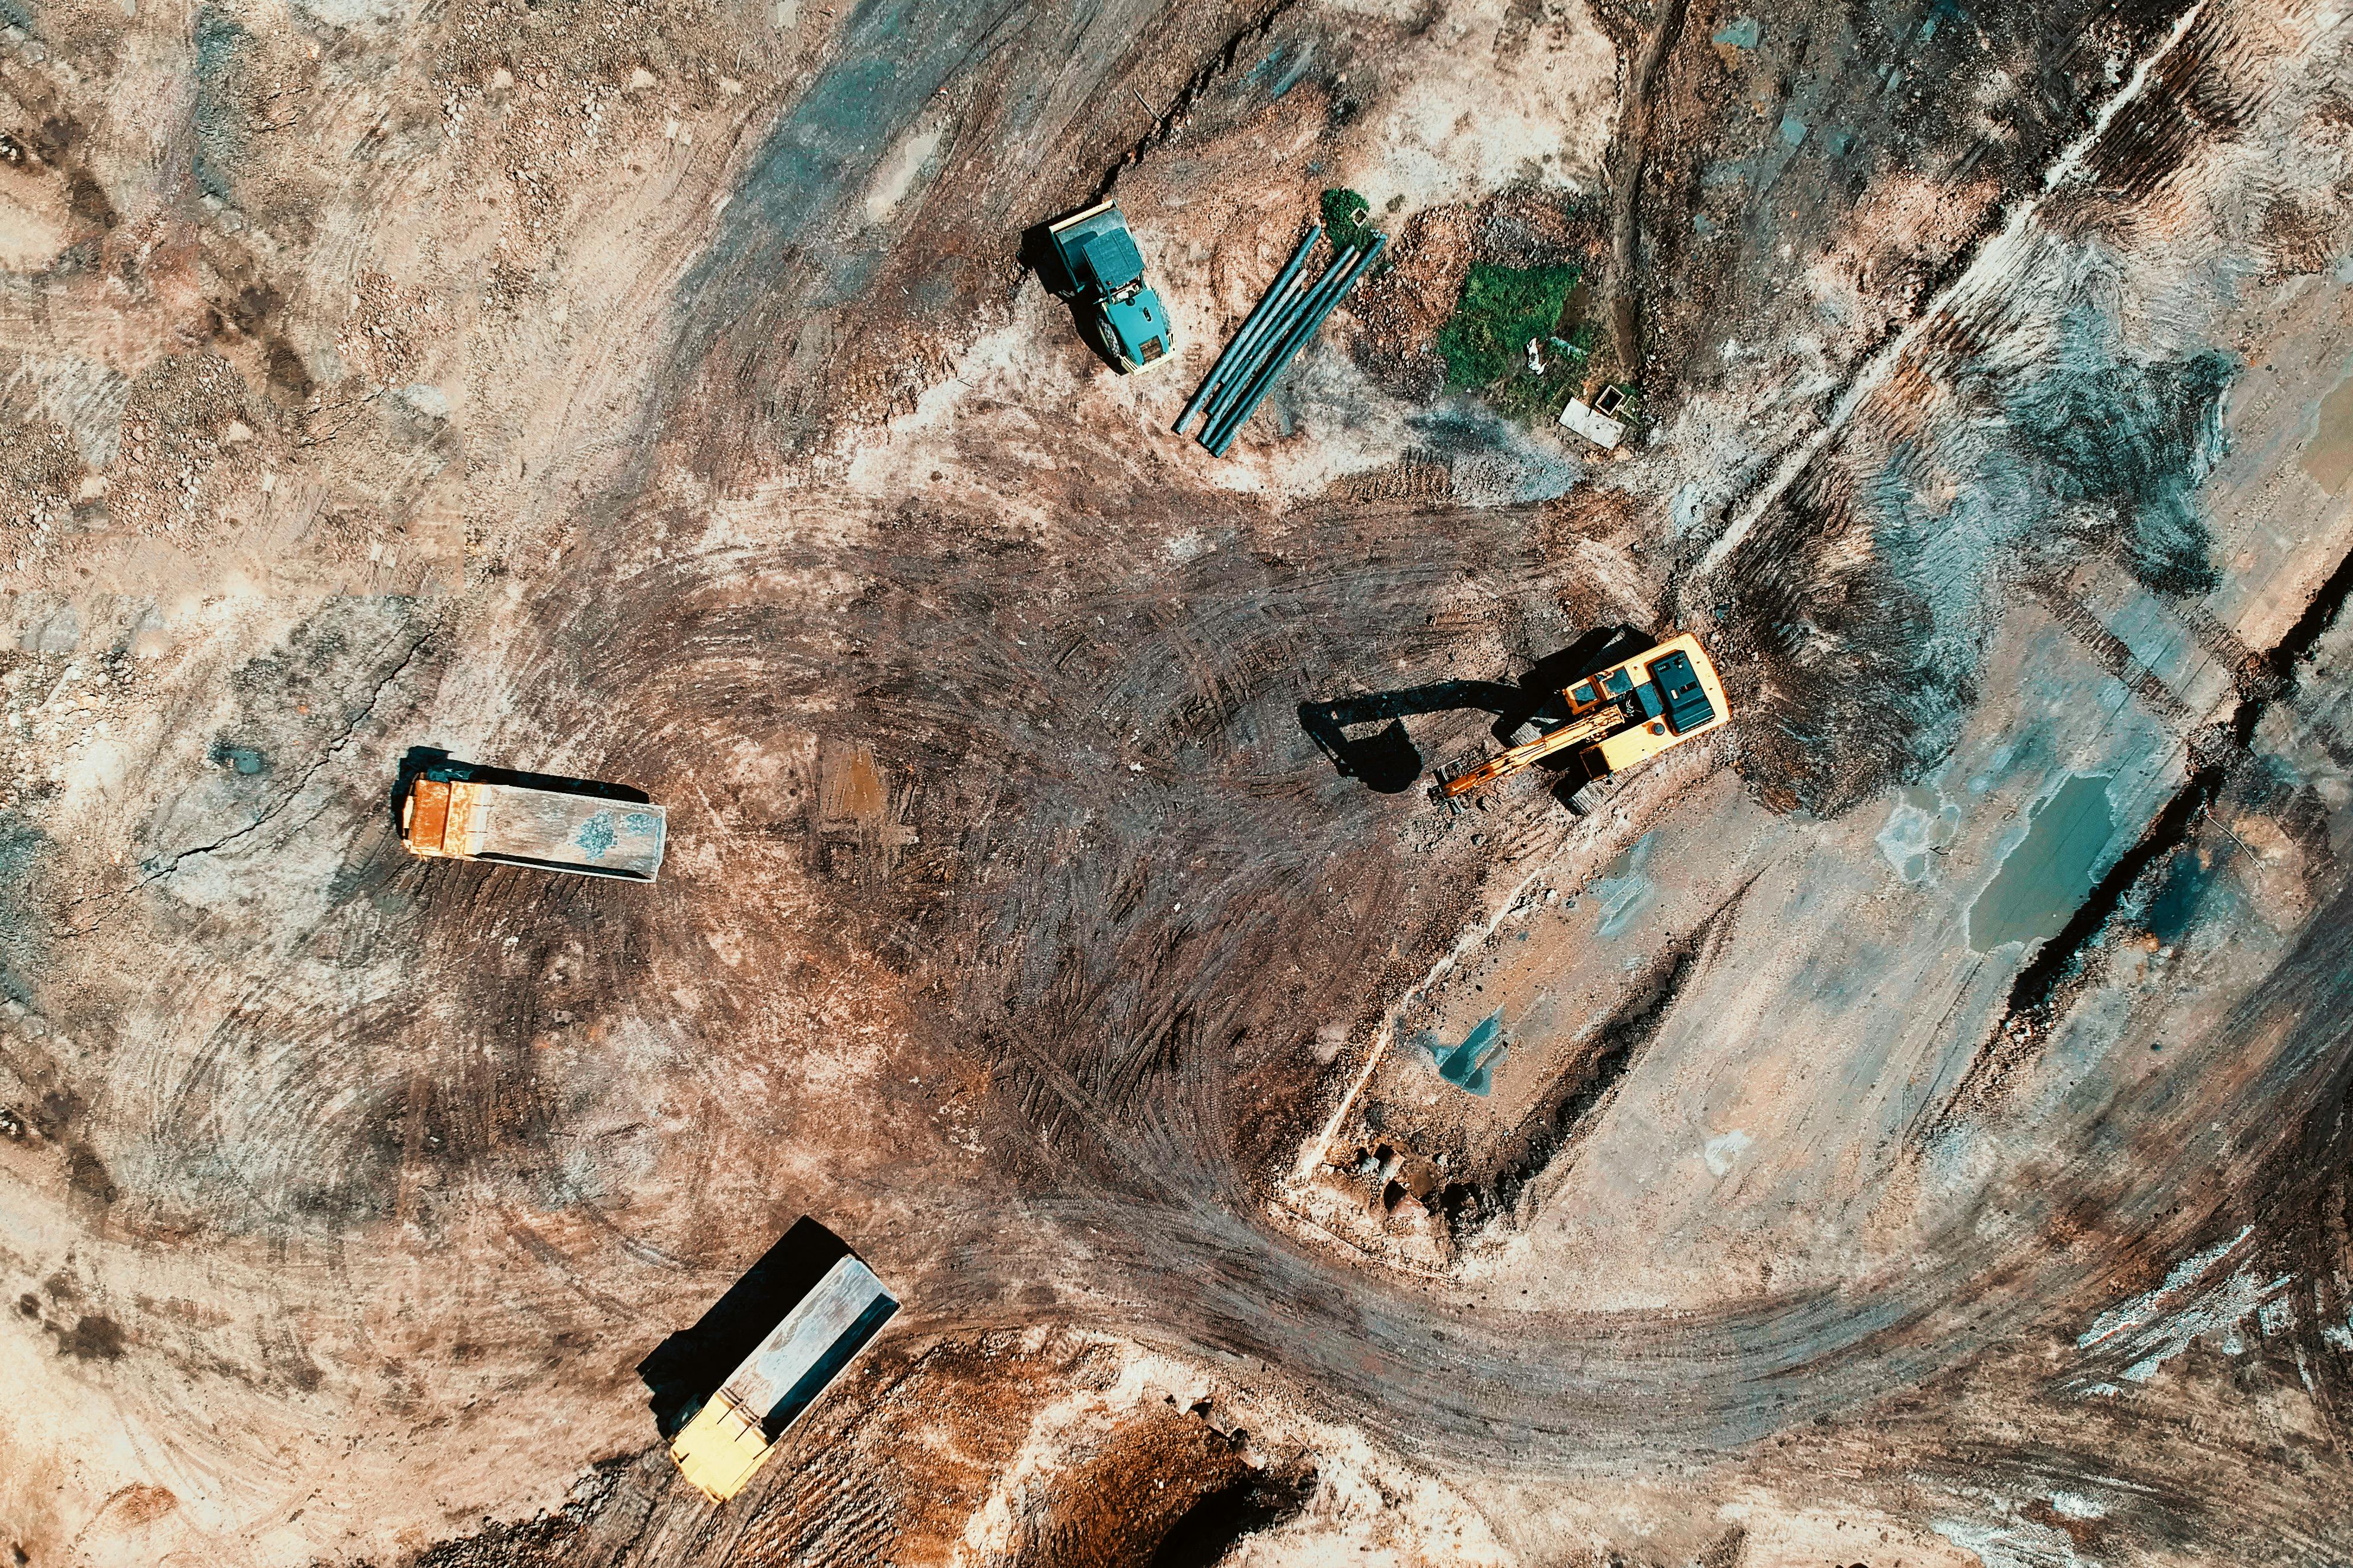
[653, 391]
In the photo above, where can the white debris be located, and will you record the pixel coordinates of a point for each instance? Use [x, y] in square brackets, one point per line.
[1598, 428]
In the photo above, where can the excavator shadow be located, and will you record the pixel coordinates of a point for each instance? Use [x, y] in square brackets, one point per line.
[684, 1369]
[1388, 761]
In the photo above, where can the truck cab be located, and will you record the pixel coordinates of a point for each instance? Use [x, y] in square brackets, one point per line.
[1102, 275]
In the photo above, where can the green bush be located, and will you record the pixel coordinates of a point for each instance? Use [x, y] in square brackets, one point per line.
[1538, 399]
[1501, 308]
[1344, 220]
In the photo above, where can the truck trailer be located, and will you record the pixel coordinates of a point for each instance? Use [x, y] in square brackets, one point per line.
[737, 1428]
[461, 811]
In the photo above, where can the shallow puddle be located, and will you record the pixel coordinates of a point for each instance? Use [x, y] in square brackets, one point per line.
[1623, 890]
[1920, 825]
[1471, 1065]
[2041, 880]
[2181, 898]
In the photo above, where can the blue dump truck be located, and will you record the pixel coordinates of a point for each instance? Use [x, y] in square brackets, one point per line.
[1102, 277]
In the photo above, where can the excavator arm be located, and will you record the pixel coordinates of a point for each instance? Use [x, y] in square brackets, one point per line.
[1592, 727]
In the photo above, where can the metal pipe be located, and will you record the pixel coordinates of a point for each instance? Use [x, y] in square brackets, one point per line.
[1272, 332]
[1258, 314]
[1271, 344]
[1238, 414]
[1277, 332]
[1251, 347]
[1299, 339]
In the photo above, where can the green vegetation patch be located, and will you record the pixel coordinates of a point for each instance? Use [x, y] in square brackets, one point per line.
[1538, 399]
[1344, 220]
[1501, 308]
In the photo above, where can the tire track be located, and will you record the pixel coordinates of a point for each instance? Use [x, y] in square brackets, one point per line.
[2111, 653]
[1992, 258]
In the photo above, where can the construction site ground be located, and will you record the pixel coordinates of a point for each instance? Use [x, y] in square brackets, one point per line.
[1920, 1132]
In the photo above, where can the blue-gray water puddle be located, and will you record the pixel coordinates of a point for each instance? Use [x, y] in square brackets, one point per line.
[1995, 765]
[1471, 1065]
[1623, 890]
[1292, 71]
[2042, 881]
[244, 758]
[893, 57]
[1745, 34]
[1921, 824]
[2179, 898]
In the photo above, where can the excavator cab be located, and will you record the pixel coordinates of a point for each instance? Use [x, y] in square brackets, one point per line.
[1610, 686]
[1683, 693]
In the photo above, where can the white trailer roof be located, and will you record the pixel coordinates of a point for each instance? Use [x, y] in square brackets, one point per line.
[1596, 427]
[791, 1367]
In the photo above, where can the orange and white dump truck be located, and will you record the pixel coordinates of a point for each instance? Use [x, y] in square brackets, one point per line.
[1619, 718]
[466, 812]
[735, 1429]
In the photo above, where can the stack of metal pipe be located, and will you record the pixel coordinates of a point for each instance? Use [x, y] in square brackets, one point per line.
[1282, 323]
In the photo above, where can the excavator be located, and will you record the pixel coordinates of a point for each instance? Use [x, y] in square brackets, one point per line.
[1617, 718]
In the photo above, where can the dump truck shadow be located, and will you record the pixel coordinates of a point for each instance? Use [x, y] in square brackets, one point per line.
[1040, 255]
[417, 759]
[1388, 761]
[685, 1369]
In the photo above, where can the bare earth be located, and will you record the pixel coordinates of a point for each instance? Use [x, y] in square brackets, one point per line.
[1923, 1133]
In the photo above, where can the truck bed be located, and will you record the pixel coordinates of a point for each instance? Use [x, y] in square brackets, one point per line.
[818, 1338]
[519, 826]
[737, 1428]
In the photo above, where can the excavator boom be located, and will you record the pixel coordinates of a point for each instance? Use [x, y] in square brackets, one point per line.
[1530, 753]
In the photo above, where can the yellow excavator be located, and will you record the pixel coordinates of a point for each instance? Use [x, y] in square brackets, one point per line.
[1619, 717]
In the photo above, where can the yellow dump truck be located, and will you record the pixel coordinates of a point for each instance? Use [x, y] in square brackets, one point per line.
[737, 1426]
[466, 812]
[1619, 717]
